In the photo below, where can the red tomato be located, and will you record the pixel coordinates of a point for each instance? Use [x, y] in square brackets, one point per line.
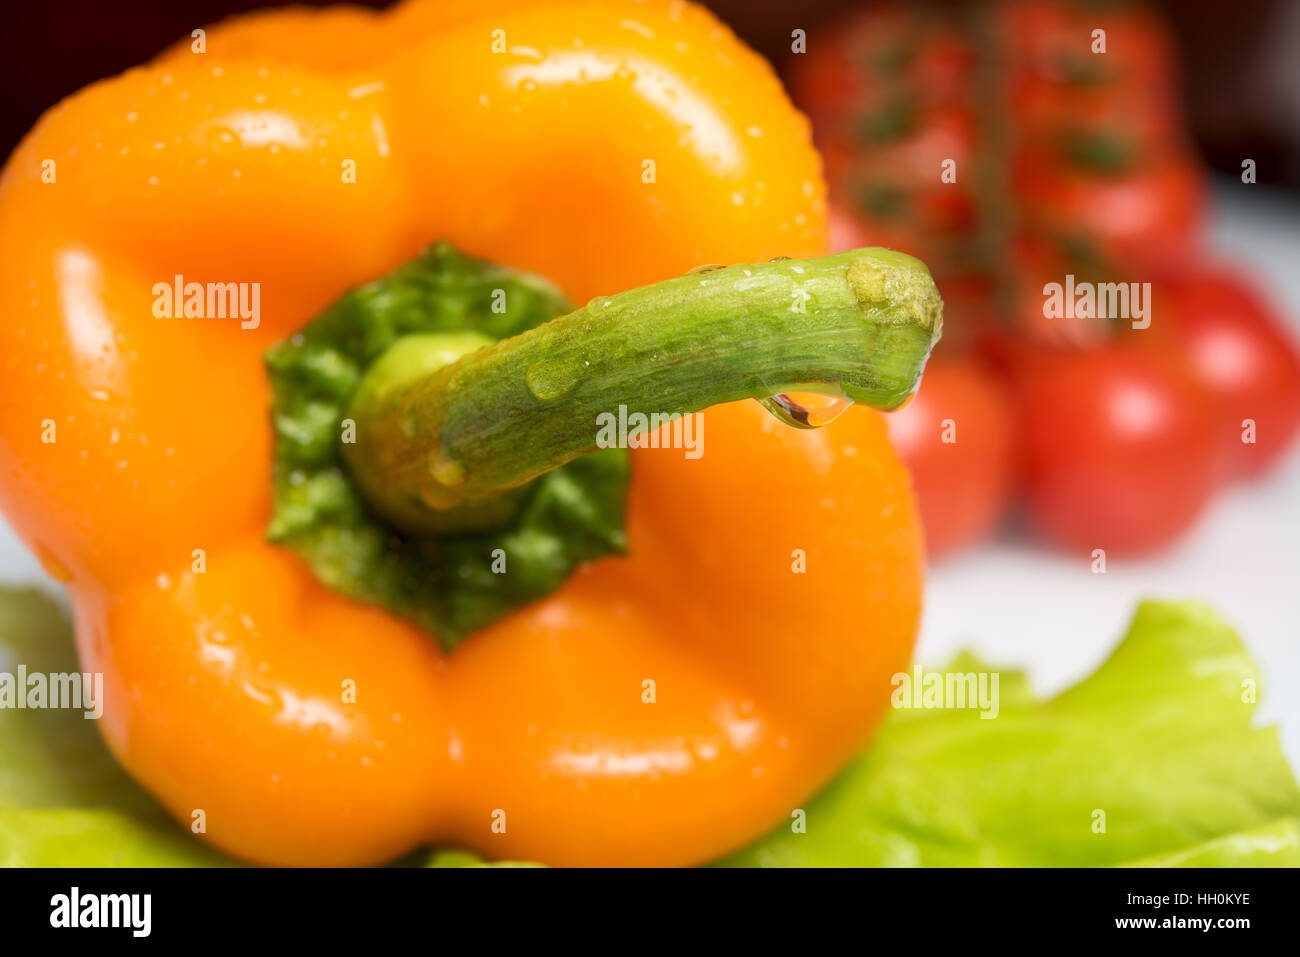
[912, 153]
[895, 186]
[861, 64]
[1106, 123]
[955, 437]
[851, 231]
[1148, 213]
[1119, 446]
[970, 310]
[1061, 93]
[1031, 263]
[846, 232]
[1056, 43]
[1236, 347]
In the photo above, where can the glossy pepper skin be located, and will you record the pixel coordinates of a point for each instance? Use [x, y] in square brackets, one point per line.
[224, 687]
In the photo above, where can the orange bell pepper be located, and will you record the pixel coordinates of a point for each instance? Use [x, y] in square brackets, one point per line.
[135, 450]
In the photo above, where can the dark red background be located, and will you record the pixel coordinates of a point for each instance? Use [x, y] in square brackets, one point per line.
[51, 48]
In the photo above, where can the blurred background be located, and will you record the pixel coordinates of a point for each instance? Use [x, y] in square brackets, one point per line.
[1066, 467]
[1242, 95]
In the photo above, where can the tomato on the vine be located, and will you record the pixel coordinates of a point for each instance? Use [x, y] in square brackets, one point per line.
[1119, 446]
[1235, 346]
[955, 437]
[1088, 46]
[862, 63]
[1147, 211]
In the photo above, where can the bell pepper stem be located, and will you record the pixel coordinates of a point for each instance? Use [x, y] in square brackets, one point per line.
[444, 429]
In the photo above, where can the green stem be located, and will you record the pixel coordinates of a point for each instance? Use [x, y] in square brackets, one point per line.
[439, 439]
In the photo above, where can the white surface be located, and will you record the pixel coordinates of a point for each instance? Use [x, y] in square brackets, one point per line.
[1019, 604]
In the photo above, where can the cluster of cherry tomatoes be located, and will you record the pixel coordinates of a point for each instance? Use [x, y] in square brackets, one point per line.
[1012, 145]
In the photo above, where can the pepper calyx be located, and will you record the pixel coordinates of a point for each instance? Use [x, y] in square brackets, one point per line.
[456, 579]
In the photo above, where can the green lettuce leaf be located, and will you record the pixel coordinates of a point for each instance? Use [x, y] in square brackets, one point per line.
[63, 799]
[468, 859]
[1276, 844]
[1160, 739]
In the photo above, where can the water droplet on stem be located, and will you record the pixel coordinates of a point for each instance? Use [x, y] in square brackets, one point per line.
[807, 410]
